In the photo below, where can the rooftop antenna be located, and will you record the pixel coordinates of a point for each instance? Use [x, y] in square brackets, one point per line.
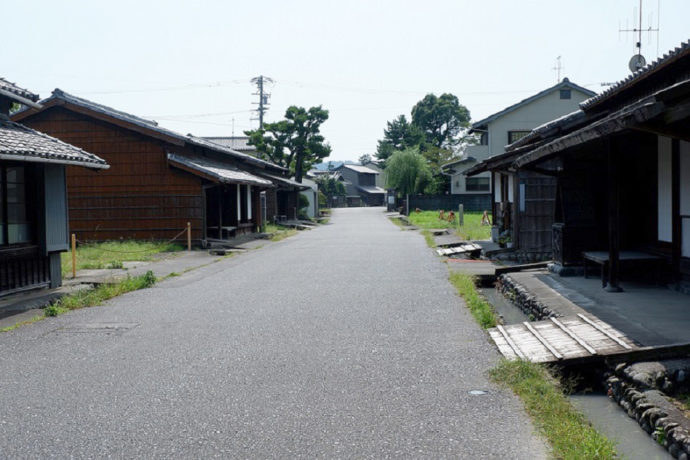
[558, 69]
[638, 61]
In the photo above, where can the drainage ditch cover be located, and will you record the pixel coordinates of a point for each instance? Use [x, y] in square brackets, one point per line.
[97, 328]
[478, 392]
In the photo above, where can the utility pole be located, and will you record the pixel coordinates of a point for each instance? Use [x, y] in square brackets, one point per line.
[263, 103]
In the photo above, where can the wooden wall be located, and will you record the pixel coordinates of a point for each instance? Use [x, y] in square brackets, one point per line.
[536, 221]
[139, 197]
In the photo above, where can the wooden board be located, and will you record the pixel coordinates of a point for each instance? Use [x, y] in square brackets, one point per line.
[578, 337]
[462, 249]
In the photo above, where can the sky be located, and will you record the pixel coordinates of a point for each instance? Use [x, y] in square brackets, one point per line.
[188, 64]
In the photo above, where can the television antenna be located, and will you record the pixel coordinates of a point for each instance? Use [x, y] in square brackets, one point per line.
[637, 61]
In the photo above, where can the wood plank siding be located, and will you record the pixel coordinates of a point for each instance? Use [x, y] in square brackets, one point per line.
[139, 197]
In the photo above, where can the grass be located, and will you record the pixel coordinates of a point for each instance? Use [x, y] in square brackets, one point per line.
[91, 297]
[112, 254]
[429, 238]
[22, 323]
[481, 310]
[279, 232]
[470, 230]
[398, 222]
[566, 429]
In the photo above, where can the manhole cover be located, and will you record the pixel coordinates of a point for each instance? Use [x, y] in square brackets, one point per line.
[97, 328]
[478, 392]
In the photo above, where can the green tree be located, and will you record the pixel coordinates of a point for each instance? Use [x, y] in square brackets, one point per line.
[442, 119]
[398, 135]
[407, 171]
[330, 187]
[364, 159]
[295, 142]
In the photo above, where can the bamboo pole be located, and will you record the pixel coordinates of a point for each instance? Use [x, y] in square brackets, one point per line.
[189, 236]
[74, 255]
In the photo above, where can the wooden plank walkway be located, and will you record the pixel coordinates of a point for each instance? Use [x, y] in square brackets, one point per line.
[577, 337]
[461, 249]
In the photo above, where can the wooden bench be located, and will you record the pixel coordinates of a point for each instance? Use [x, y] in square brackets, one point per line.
[227, 229]
[624, 257]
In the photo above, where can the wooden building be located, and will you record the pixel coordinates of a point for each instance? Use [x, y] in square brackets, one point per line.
[159, 179]
[33, 198]
[623, 175]
[524, 200]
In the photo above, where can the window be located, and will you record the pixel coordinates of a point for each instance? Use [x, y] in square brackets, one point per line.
[565, 94]
[515, 135]
[15, 220]
[478, 184]
[484, 138]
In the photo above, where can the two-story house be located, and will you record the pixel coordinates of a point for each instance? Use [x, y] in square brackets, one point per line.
[507, 126]
[533, 192]
[360, 185]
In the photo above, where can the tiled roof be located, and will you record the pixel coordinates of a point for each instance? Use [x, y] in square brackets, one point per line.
[201, 142]
[10, 87]
[234, 142]
[371, 189]
[219, 171]
[152, 125]
[284, 181]
[360, 169]
[17, 142]
[672, 56]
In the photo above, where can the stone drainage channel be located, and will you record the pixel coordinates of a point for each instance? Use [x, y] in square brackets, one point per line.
[602, 412]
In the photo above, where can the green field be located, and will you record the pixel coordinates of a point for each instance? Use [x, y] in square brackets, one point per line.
[471, 230]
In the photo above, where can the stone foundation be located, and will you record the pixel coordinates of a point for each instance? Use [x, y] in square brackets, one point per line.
[521, 298]
[636, 388]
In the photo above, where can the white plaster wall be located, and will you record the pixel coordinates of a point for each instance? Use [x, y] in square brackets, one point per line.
[664, 217]
[528, 117]
[510, 189]
[497, 187]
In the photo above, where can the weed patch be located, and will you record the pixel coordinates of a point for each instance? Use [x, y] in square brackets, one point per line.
[429, 238]
[566, 429]
[91, 297]
[480, 308]
[472, 229]
[112, 254]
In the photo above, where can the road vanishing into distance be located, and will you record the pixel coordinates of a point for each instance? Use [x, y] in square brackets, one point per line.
[346, 341]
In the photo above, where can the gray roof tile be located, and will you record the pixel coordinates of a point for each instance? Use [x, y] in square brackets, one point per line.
[16, 90]
[219, 171]
[18, 142]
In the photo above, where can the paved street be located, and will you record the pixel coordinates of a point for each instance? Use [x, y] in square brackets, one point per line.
[344, 341]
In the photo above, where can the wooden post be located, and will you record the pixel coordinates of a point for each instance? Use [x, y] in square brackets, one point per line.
[676, 222]
[461, 215]
[74, 255]
[614, 222]
[189, 236]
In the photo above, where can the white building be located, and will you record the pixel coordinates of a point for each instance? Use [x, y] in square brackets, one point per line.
[505, 127]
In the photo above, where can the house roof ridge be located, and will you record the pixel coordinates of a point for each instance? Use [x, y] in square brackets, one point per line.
[13, 88]
[668, 58]
[565, 83]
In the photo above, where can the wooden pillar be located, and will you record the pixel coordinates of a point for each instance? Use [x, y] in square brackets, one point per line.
[614, 217]
[239, 204]
[676, 223]
[221, 189]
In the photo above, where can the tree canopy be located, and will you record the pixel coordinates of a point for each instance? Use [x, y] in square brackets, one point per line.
[441, 119]
[407, 171]
[295, 142]
[437, 127]
[399, 134]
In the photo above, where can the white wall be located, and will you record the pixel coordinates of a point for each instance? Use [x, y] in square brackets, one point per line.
[528, 117]
[664, 217]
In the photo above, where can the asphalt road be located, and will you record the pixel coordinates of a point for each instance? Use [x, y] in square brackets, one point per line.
[346, 341]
